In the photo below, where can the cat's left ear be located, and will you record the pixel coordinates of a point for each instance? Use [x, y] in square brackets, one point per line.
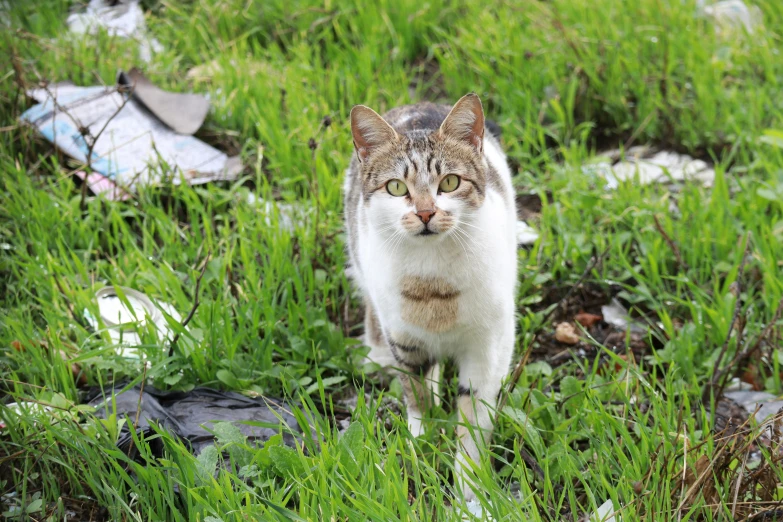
[465, 122]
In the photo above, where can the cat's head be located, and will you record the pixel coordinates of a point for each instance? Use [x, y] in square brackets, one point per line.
[422, 185]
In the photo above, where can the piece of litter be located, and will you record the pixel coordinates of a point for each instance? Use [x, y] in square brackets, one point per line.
[22, 408]
[767, 403]
[184, 113]
[100, 184]
[659, 167]
[122, 18]
[604, 513]
[123, 321]
[193, 416]
[616, 315]
[526, 235]
[729, 15]
[134, 147]
[566, 333]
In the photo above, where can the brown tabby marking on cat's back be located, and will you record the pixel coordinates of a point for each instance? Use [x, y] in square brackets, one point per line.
[429, 303]
[422, 116]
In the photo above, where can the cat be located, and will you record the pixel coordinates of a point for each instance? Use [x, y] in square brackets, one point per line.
[430, 217]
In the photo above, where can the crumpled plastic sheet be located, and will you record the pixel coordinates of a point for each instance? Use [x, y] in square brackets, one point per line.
[190, 415]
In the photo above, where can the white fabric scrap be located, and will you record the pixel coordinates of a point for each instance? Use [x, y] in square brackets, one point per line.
[732, 14]
[125, 19]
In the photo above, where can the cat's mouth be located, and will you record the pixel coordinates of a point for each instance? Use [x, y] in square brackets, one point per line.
[426, 232]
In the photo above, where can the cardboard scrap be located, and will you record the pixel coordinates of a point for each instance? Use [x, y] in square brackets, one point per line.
[134, 148]
[184, 113]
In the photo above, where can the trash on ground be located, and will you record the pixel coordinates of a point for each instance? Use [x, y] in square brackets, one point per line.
[123, 321]
[100, 184]
[132, 147]
[192, 415]
[526, 235]
[604, 513]
[730, 15]
[122, 18]
[767, 403]
[184, 113]
[616, 315]
[566, 333]
[23, 408]
[651, 167]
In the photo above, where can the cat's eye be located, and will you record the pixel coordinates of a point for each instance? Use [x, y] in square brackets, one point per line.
[449, 183]
[396, 188]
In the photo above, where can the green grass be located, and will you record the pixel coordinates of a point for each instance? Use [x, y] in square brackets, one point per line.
[278, 317]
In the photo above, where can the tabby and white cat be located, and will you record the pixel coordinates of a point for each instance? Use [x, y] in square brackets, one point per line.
[431, 217]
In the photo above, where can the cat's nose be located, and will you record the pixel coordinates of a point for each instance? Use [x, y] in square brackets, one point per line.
[425, 215]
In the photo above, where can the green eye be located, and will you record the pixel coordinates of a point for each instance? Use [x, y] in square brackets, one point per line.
[396, 188]
[449, 183]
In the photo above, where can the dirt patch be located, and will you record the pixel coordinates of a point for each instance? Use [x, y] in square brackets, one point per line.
[582, 307]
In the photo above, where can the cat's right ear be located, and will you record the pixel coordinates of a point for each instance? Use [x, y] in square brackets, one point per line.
[369, 130]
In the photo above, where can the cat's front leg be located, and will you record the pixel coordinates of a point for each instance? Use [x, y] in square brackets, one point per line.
[481, 373]
[420, 375]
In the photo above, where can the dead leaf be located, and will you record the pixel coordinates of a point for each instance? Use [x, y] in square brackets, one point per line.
[566, 333]
[588, 320]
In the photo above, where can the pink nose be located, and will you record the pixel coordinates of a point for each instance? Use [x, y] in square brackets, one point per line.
[425, 215]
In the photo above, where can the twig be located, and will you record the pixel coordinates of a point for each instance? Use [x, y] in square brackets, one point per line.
[740, 357]
[716, 372]
[312, 143]
[314, 186]
[196, 304]
[671, 243]
[94, 139]
[523, 361]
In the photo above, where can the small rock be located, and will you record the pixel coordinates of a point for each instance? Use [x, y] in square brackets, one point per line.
[566, 333]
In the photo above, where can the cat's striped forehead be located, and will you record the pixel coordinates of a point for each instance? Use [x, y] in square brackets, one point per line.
[421, 159]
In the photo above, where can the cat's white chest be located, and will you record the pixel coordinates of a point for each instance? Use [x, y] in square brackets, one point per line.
[443, 293]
